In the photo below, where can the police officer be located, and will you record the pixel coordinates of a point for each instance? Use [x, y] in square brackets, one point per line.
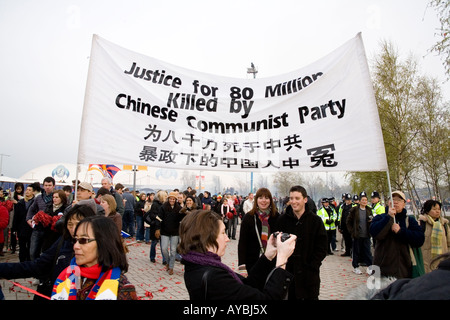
[329, 218]
[355, 200]
[344, 210]
[377, 208]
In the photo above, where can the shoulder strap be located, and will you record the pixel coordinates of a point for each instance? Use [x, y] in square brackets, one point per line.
[258, 235]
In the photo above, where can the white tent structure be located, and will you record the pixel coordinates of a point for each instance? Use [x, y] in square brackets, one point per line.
[64, 173]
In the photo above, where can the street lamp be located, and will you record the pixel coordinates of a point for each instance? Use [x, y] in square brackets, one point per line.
[253, 70]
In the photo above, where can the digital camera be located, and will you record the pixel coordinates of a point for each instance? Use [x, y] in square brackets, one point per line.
[284, 235]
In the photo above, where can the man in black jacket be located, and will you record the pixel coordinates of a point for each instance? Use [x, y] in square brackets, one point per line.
[310, 248]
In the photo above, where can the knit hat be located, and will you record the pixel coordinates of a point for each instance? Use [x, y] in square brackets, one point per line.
[190, 197]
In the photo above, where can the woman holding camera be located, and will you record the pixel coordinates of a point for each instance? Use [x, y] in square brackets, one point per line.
[203, 242]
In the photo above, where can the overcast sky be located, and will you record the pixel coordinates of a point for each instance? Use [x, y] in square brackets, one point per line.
[45, 47]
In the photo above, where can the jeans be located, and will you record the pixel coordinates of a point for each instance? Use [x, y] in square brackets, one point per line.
[37, 238]
[232, 225]
[153, 249]
[128, 222]
[361, 252]
[139, 228]
[172, 242]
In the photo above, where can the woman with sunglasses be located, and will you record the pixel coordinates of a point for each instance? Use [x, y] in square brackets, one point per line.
[52, 261]
[97, 272]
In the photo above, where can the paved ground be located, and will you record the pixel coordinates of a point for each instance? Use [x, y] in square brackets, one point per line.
[153, 282]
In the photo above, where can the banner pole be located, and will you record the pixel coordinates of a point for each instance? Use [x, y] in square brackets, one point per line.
[83, 114]
[390, 190]
[76, 182]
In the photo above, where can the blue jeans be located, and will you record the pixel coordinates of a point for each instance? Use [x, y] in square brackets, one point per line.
[172, 242]
[139, 228]
[37, 238]
[153, 249]
[361, 252]
[128, 222]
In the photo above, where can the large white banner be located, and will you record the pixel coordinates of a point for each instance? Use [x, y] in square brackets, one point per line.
[143, 111]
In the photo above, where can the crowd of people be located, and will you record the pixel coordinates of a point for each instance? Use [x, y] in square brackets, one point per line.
[64, 237]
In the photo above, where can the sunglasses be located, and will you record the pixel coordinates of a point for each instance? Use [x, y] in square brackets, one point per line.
[82, 240]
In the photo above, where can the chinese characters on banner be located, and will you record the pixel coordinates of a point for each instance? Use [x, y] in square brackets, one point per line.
[143, 111]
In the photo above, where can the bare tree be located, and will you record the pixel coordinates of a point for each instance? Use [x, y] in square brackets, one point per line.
[442, 45]
[283, 181]
[394, 84]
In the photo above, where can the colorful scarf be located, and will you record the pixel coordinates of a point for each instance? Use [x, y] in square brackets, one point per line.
[68, 282]
[209, 259]
[436, 237]
[265, 232]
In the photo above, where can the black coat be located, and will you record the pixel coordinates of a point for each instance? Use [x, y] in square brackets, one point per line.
[151, 218]
[20, 224]
[171, 218]
[220, 285]
[249, 248]
[310, 250]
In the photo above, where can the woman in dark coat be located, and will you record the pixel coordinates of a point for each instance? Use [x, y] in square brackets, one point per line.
[152, 219]
[203, 242]
[55, 209]
[170, 216]
[251, 245]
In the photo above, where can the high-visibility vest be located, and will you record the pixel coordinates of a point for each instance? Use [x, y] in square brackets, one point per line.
[378, 209]
[324, 215]
[339, 212]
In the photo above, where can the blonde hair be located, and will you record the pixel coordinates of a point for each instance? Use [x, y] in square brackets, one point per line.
[111, 202]
[161, 196]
